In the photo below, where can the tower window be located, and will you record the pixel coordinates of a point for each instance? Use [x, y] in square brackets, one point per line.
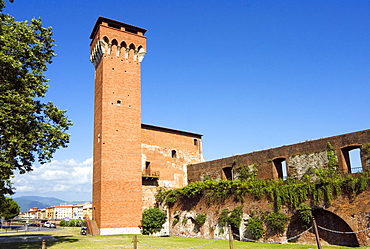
[118, 102]
[195, 141]
[147, 168]
[173, 154]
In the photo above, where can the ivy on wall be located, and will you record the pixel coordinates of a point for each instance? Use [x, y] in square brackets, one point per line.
[291, 192]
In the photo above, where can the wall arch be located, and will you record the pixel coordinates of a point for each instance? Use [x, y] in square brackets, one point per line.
[326, 219]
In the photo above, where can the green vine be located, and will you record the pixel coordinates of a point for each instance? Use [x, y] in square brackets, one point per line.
[200, 219]
[255, 227]
[290, 193]
[175, 221]
[365, 148]
[305, 213]
[332, 158]
[233, 218]
[276, 222]
[247, 172]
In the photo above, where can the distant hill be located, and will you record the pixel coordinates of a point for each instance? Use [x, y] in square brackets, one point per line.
[27, 202]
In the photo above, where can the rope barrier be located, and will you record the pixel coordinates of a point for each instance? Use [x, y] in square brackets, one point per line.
[149, 245]
[126, 245]
[275, 242]
[340, 232]
[187, 248]
[255, 241]
[204, 244]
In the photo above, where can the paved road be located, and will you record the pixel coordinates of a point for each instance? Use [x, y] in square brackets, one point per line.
[22, 229]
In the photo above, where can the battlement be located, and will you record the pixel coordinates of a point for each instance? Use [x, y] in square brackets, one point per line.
[116, 25]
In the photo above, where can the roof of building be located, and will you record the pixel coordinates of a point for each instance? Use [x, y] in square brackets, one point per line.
[117, 25]
[168, 130]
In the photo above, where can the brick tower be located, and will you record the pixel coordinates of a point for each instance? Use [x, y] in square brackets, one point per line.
[116, 51]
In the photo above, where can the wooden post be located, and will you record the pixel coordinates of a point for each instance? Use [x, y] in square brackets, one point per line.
[230, 237]
[43, 244]
[316, 233]
[135, 242]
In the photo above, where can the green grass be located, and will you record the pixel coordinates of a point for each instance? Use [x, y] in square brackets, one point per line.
[69, 238]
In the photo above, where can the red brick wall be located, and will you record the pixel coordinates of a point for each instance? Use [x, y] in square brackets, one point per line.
[264, 158]
[157, 146]
[117, 133]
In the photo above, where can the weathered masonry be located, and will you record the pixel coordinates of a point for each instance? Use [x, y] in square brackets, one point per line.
[291, 160]
[130, 158]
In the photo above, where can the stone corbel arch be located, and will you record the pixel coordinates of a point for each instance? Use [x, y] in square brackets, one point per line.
[141, 53]
[122, 45]
[114, 43]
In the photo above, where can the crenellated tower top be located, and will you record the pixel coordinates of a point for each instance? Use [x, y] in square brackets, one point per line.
[128, 43]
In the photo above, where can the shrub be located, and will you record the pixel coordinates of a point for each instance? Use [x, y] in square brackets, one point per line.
[152, 218]
[224, 217]
[276, 222]
[255, 227]
[175, 221]
[235, 217]
[200, 219]
[305, 213]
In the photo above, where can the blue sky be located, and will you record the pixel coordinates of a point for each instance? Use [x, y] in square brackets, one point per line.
[248, 75]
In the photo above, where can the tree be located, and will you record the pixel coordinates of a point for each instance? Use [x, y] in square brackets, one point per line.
[30, 130]
[9, 208]
[152, 218]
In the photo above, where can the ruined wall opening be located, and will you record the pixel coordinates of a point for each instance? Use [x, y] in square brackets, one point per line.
[352, 159]
[281, 168]
[227, 173]
[327, 220]
[173, 154]
[147, 168]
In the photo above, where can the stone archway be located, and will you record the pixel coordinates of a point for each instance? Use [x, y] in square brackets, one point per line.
[327, 220]
[332, 221]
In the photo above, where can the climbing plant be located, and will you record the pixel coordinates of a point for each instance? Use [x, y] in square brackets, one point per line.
[276, 222]
[255, 227]
[232, 218]
[291, 193]
[200, 219]
[247, 172]
[305, 213]
[332, 158]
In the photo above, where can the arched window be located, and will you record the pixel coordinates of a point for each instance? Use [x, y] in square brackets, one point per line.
[281, 168]
[227, 173]
[352, 158]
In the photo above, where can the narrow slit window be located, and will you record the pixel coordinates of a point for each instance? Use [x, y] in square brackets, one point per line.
[174, 154]
[195, 141]
[147, 168]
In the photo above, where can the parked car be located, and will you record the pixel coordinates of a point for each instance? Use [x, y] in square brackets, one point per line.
[83, 230]
[46, 224]
[49, 225]
[33, 224]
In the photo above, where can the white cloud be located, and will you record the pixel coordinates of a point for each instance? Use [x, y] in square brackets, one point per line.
[68, 180]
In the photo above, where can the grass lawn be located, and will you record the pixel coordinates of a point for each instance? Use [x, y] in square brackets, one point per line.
[70, 238]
